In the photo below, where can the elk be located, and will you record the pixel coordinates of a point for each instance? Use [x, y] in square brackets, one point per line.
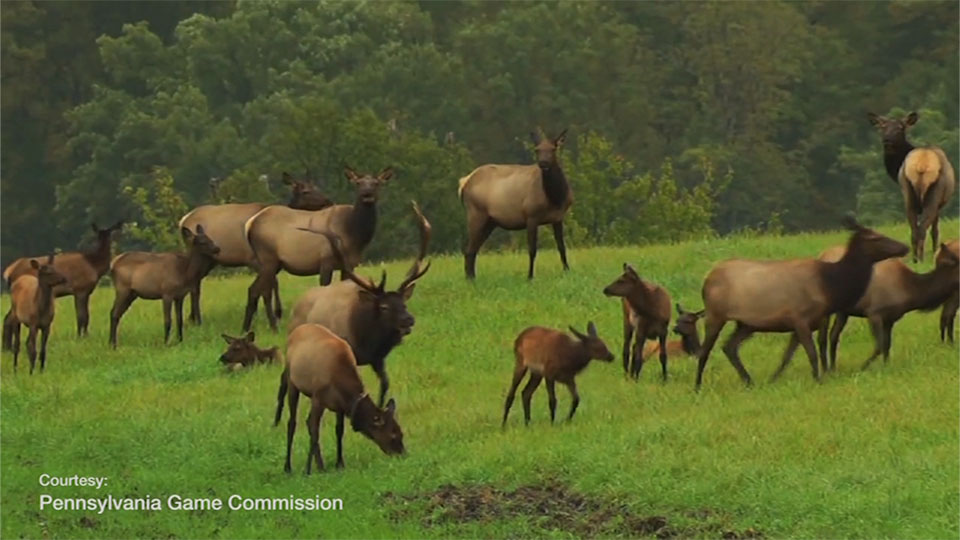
[949, 311]
[788, 296]
[686, 328]
[224, 225]
[517, 197]
[160, 276]
[894, 290]
[82, 271]
[242, 352]
[646, 313]
[925, 176]
[33, 304]
[277, 242]
[321, 365]
[555, 356]
[370, 318]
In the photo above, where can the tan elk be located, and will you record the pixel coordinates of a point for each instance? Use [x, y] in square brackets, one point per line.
[276, 238]
[243, 352]
[33, 305]
[321, 366]
[925, 176]
[788, 296]
[949, 311]
[82, 270]
[517, 197]
[646, 313]
[371, 319]
[552, 355]
[224, 225]
[160, 276]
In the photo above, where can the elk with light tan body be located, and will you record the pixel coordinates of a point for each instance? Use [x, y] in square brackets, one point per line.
[646, 313]
[321, 366]
[555, 356]
[160, 276]
[224, 224]
[949, 311]
[686, 328]
[242, 352]
[278, 242]
[33, 305]
[788, 296]
[517, 197]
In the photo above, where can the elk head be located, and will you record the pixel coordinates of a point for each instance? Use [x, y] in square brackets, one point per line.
[47, 275]
[594, 346]
[239, 350]
[871, 244]
[625, 284]
[947, 257]
[379, 425]
[304, 194]
[368, 187]
[687, 321]
[893, 131]
[546, 148]
[199, 241]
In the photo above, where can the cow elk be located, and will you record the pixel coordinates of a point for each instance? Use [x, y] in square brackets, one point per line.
[555, 356]
[517, 197]
[160, 276]
[949, 311]
[646, 313]
[33, 305]
[321, 366]
[276, 237]
[788, 296]
[370, 318]
[242, 352]
[686, 328]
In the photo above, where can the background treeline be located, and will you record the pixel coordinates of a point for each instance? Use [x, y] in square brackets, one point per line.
[685, 118]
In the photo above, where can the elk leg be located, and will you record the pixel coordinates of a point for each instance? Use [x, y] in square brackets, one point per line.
[276, 298]
[888, 339]
[561, 247]
[935, 232]
[531, 245]
[313, 426]
[381, 372]
[32, 347]
[293, 396]
[663, 355]
[478, 230]
[195, 316]
[527, 394]
[253, 298]
[551, 399]
[15, 345]
[637, 364]
[340, 417]
[518, 373]
[266, 291]
[575, 397]
[909, 201]
[44, 334]
[839, 323]
[822, 332]
[167, 305]
[732, 349]
[8, 330]
[947, 316]
[712, 330]
[805, 335]
[81, 301]
[121, 303]
[627, 337]
[787, 356]
[326, 277]
[876, 327]
[178, 309]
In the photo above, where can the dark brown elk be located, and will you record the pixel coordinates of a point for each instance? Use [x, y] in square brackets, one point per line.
[160, 276]
[371, 319]
[555, 356]
[275, 237]
[33, 305]
[321, 366]
[517, 197]
[894, 291]
[925, 176]
[224, 225]
[788, 296]
[949, 311]
[686, 328]
[646, 313]
[243, 352]
[82, 270]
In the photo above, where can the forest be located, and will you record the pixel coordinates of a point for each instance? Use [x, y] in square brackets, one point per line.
[686, 119]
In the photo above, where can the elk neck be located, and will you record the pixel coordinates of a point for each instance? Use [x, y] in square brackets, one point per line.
[846, 280]
[196, 265]
[378, 340]
[894, 152]
[690, 343]
[362, 222]
[99, 257]
[554, 184]
[929, 291]
[44, 296]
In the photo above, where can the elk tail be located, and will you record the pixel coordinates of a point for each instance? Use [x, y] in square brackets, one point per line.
[247, 228]
[281, 395]
[463, 184]
[922, 169]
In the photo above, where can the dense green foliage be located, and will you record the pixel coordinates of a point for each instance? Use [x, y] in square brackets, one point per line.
[770, 96]
[863, 455]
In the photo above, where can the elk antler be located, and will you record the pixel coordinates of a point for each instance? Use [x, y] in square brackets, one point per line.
[338, 255]
[415, 272]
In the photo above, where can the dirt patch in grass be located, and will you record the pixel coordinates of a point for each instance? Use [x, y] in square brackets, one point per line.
[555, 507]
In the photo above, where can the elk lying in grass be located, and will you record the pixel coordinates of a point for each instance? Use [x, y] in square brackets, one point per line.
[894, 291]
[321, 365]
[33, 305]
[788, 296]
[517, 197]
[242, 352]
[686, 328]
[224, 225]
[160, 276]
[646, 313]
[552, 355]
[949, 311]
[82, 271]
[276, 238]
[924, 174]
[371, 319]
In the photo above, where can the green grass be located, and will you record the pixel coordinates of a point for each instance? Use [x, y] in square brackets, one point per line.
[870, 454]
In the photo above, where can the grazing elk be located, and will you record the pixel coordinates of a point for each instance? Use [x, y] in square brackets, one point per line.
[552, 355]
[224, 225]
[686, 328]
[949, 311]
[33, 305]
[924, 174]
[242, 352]
[894, 291]
[788, 296]
[275, 237]
[321, 365]
[517, 197]
[160, 276]
[371, 319]
[646, 313]
[82, 271]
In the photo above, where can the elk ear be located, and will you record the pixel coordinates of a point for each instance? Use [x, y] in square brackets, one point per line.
[199, 228]
[50, 258]
[699, 313]
[910, 119]
[117, 225]
[385, 174]
[874, 119]
[850, 223]
[561, 138]
[34, 264]
[592, 329]
[250, 336]
[534, 138]
[228, 339]
[679, 309]
[577, 333]
[93, 226]
[391, 407]
[187, 234]
[350, 174]
[286, 178]
[366, 295]
[408, 291]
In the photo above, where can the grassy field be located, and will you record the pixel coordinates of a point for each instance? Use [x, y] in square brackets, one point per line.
[872, 454]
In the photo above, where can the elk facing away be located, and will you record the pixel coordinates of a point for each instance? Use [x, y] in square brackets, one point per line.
[646, 312]
[788, 296]
[33, 305]
[517, 197]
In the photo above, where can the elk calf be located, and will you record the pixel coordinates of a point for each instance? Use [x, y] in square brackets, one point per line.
[949, 311]
[321, 366]
[160, 276]
[33, 305]
[552, 355]
[646, 313]
[686, 328]
[241, 352]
